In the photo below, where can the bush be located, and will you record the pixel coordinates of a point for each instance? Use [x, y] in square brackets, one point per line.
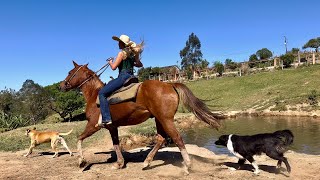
[10, 122]
[219, 67]
[280, 104]
[287, 59]
[312, 98]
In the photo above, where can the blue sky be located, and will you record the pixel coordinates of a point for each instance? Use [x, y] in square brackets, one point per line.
[39, 39]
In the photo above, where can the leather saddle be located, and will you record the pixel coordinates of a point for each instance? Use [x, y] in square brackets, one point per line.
[127, 92]
[131, 80]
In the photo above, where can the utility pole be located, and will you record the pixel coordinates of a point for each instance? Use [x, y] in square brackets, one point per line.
[285, 43]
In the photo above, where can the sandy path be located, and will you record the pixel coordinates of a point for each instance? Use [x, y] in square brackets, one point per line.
[167, 165]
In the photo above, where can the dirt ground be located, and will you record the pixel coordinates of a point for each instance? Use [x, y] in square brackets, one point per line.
[166, 165]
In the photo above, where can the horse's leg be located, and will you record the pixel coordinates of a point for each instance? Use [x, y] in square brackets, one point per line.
[160, 141]
[115, 140]
[171, 130]
[89, 130]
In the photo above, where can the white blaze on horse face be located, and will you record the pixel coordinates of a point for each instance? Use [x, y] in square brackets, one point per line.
[231, 149]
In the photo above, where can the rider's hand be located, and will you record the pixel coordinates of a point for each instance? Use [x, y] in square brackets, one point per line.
[110, 59]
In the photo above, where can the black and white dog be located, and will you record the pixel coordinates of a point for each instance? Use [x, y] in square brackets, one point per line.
[245, 147]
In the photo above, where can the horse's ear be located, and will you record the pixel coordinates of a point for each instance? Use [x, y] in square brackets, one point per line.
[75, 64]
[86, 65]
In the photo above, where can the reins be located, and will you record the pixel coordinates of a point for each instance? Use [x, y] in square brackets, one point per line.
[103, 68]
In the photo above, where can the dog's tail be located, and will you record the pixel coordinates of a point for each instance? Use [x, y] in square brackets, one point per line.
[64, 134]
[286, 135]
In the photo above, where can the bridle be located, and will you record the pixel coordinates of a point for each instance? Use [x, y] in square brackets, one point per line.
[67, 82]
[104, 67]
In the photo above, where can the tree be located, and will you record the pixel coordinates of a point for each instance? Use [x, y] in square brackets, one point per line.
[10, 108]
[144, 73]
[64, 103]
[252, 60]
[191, 54]
[264, 53]
[219, 67]
[230, 64]
[204, 64]
[34, 101]
[313, 43]
[287, 59]
[156, 71]
[295, 50]
[7, 101]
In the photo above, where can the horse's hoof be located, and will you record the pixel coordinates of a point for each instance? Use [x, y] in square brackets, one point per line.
[117, 166]
[256, 172]
[186, 171]
[186, 168]
[114, 167]
[82, 163]
[146, 165]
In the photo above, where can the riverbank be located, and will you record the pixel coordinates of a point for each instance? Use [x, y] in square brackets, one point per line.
[268, 112]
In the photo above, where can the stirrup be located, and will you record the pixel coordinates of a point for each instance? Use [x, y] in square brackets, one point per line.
[103, 124]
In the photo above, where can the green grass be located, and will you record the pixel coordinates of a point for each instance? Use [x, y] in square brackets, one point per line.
[147, 128]
[16, 140]
[289, 86]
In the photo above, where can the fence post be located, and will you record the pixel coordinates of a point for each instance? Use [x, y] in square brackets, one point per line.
[313, 58]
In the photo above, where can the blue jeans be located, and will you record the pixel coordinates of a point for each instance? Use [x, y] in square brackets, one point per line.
[107, 90]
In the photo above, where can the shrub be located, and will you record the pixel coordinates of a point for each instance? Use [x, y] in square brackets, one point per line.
[10, 122]
[312, 98]
[287, 59]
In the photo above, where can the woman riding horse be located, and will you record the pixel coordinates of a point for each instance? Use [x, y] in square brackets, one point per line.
[154, 99]
[127, 58]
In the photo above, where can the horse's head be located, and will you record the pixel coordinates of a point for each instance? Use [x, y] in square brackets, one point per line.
[79, 75]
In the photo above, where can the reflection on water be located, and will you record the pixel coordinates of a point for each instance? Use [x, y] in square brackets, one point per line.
[306, 132]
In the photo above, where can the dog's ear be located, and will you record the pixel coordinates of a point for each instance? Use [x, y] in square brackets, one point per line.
[34, 128]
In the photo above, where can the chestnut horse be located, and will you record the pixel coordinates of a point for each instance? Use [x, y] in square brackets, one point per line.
[154, 99]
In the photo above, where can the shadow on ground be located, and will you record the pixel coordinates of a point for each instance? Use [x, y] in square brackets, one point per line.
[249, 167]
[168, 157]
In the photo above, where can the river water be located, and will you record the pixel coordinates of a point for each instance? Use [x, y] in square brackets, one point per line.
[306, 132]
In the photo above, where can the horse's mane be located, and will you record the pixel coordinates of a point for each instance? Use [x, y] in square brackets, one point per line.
[95, 83]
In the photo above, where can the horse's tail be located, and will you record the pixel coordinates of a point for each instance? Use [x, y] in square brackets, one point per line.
[196, 106]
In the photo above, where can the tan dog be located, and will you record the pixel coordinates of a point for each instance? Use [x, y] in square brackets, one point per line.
[38, 137]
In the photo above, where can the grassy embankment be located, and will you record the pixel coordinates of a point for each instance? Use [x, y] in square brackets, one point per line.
[287, 87]
[262, 90]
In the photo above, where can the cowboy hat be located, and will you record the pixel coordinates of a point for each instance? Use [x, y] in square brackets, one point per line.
[123, 38]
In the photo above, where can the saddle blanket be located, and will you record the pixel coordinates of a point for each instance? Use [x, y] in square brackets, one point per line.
[123, 94]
